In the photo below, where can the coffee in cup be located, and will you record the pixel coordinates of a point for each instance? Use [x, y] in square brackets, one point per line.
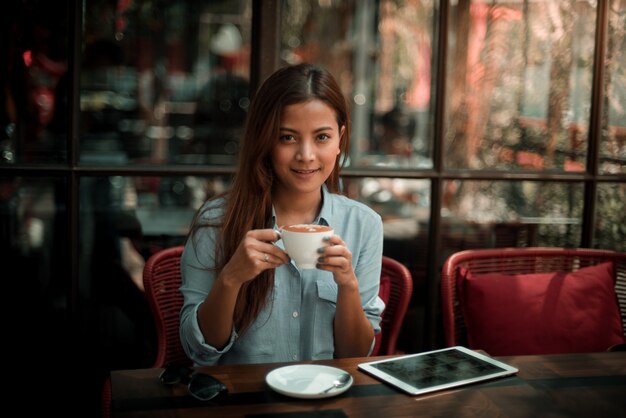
[302, 241]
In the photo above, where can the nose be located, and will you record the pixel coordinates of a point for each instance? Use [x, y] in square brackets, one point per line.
[306, 151]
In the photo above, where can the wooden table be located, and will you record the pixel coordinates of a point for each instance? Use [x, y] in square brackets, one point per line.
[571, 385]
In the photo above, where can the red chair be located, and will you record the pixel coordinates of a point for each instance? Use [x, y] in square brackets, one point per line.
[531, 262]
[161, 280]
[396, 289]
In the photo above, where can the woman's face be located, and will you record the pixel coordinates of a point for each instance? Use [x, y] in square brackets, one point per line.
[305, 153]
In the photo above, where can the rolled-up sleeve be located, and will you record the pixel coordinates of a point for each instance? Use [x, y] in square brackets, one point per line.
[368, 270]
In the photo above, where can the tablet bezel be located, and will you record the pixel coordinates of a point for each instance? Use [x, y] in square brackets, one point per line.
[507, 370]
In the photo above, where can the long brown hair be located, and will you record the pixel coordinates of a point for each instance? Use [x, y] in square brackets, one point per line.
[248, 203]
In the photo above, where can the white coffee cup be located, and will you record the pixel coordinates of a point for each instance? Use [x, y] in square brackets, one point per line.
[302, 242]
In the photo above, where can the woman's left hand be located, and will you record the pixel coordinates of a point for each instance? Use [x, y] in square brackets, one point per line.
[337, 258]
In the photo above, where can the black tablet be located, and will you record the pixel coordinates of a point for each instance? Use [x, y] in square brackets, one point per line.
[436, 370]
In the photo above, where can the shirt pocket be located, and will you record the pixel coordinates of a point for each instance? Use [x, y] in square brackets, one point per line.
[327, 292]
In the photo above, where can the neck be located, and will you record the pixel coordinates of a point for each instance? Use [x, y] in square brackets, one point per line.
[302, 209]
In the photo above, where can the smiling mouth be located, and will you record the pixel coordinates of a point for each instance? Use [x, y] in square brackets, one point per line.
[306, 171]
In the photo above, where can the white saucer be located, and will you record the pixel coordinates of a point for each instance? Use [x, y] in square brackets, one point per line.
[306, 381]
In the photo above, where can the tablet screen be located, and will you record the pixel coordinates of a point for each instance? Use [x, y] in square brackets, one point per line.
[438, 369]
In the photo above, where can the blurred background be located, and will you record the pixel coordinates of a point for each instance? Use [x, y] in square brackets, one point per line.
[475, 124]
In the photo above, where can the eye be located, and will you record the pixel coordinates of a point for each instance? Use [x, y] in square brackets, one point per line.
[286, 138]
[323, 137]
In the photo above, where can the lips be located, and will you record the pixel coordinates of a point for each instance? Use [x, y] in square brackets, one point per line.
[305, 172]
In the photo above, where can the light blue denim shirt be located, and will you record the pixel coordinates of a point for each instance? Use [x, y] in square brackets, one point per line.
[297, 323]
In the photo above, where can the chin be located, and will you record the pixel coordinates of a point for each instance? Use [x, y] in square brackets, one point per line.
[304, 189]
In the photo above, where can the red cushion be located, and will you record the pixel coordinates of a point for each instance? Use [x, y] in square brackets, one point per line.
[541, 313]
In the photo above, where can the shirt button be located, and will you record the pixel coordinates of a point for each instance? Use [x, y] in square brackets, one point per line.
[295, 314]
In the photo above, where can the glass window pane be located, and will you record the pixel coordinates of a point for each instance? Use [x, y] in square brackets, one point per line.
[381, 54]
[164, 82]
[123, 221]
[610, 228]
[613, 145]
[519, 84]
[34, 248]
[404, 205]
[34, 120]
[33, 227]
[494, 214]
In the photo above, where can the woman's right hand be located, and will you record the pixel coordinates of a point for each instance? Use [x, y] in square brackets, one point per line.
[256, 252]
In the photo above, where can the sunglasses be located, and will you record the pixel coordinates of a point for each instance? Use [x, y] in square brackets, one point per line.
[201, 386]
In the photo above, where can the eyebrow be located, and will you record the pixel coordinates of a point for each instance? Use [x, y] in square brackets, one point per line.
[322, 129]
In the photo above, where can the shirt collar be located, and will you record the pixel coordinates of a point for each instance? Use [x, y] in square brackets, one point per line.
[327, 205]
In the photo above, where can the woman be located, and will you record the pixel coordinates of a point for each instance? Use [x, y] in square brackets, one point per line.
[245, 302]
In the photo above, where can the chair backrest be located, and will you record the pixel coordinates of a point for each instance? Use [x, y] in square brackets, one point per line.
[396, 289]
[513, 261]
[162, 281]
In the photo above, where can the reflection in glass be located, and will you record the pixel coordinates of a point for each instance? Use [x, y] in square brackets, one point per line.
[35, 282]
[33, 237]
[492, 214]
[123, 221]
[520, 85]
[610, 228]
[404, 98]
[165, 83]
[404, 205]
[36, 273]
[34, 119]
[388, 86]
[613, 145]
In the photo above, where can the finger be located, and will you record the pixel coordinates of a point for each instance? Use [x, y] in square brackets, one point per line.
[334, 251]
[334, 240]
[334, 259]
[334, 264]
[328, 242]
[256, 248]
[272, 260]
[265, 235]
[276, 255]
